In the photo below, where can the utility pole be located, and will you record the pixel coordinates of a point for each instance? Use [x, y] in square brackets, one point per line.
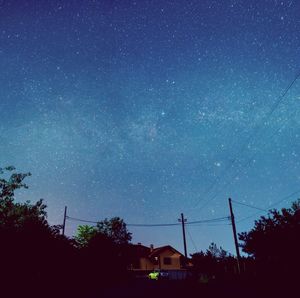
[183, 220]
[238, 257]
[64, 223]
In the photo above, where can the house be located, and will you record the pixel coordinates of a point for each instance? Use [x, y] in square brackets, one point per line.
[147, 259]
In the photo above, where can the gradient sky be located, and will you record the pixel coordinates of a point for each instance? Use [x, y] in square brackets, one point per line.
[146, 109]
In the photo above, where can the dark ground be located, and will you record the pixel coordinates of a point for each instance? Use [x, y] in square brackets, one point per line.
[174, 289]
[144, 288]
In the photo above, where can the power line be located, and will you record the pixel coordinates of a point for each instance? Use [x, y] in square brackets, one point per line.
[208, 220]
[191, 238]
[250, 206]
[285, 198]
[250, 216]
[257, 129]
[81, 220]
[272, 205]
[132, 225]
[232, 179]
[217, 179]
[212, 225]
[250, 160]
[244, 166]
[155, 225]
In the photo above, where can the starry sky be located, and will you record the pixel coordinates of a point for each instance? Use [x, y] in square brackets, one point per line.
[145, 109]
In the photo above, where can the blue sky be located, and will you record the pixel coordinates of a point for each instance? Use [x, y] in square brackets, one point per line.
[146, 109]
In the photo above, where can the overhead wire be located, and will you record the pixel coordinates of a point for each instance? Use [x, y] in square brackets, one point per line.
[272, 205]
[235, 175]
[217, 179]
[212, 220]
[192, 240]
[212, 225]
[243, 167]
[249, 161]
[250, 206]
[133, 225]
[257, 129]
[81, 220]
[208, 220]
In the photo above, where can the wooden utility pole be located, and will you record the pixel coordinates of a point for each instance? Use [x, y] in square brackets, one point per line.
[64, 222]
[183, 220]
[238, 257]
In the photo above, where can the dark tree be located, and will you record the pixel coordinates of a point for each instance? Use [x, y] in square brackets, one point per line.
[104, 251]
[274, 242]
[215, 262]
[14, 182]
[33, 252]
[115, 229]
[216, 252]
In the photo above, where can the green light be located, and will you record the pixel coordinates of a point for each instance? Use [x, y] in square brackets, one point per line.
[154, 275]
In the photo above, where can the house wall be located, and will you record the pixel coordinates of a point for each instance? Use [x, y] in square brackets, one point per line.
[145, 264]
[175, 260]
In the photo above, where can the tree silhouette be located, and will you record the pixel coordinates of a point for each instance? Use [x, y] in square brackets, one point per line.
[215, 262]
[274, 242]
[216, 252]
[104, 251]
[15, 181]
[115, 229]
[31, 250]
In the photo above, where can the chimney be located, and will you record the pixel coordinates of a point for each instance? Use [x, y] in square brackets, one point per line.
[139, 243]
[151, 247]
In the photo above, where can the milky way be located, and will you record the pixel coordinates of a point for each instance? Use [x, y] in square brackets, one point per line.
[146, 109]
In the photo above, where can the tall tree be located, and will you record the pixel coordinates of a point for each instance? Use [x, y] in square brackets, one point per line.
[16, 215]
[115, 229]
[215, 261]
[32, 251]
[275, 235]
[274, 242]
[15, 181]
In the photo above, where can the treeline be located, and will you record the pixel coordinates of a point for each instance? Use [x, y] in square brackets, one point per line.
[274, 245]
[271, 256]
[36, 260]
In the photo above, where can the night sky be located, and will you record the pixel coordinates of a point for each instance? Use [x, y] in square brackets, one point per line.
[146, 109]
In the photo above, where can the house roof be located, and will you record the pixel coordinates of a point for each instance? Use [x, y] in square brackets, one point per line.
[141, 250]
[157, 251]
[144, 251]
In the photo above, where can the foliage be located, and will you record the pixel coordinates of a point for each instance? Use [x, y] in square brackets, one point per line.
[37, 256]
[84, 235]
[32, 251]
[215, 261]
[8, 187]
[17, 215]
[275, 236]
[104, 250]
[115, 229]
[274, 244]
[216, 252]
